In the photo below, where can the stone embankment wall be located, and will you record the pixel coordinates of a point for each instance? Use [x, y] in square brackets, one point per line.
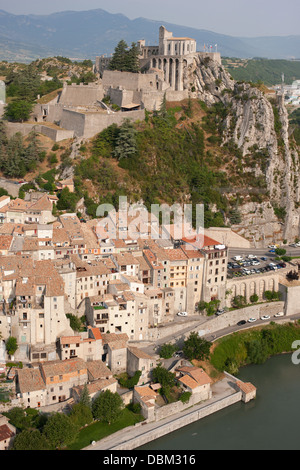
[163, 429]
[214, 324]
[178, 406]
[231, 318]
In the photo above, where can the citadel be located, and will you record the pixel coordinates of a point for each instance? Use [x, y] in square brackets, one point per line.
[80, 111]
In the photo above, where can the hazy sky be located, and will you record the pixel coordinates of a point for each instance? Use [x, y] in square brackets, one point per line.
[233, 17]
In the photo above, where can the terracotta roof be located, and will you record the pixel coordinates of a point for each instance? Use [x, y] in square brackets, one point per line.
[152, 259]
[246, 387]
[125, 259]
[139, 353]
[188, 381]
[5, 432]
[42, 204]
[63, 367]
[201, 242]
[70, 340]
[30, 380]
[176, 255]
[5, 242]
[109, 338]
[146, 392]
[98, 370]
[197, 374]
[96, 332]
[96, 386]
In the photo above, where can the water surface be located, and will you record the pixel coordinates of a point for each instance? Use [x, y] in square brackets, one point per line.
[271, 422]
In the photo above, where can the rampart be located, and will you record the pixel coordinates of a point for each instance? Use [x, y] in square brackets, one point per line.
[53, 133]
[80, 95]
[88, 124]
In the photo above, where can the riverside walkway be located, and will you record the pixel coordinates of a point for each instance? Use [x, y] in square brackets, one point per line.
[223, 395]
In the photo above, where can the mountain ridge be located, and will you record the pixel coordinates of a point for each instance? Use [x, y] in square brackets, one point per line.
[86, 34]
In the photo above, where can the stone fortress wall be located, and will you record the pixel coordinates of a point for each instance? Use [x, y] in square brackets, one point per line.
[80, 108]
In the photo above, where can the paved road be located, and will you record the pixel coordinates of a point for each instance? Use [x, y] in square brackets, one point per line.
[231, 329]
[290, 251]
[11, 186]
[151, 348]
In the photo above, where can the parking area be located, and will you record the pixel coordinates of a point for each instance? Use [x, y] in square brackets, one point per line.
[250, 265]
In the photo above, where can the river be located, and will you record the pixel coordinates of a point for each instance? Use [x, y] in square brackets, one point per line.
[270, 422]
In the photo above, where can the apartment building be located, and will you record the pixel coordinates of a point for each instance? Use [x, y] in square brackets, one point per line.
[26, 212]
[51, 382]
[215, 267]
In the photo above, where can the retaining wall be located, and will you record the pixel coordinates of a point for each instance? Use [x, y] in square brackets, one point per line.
[178, 423]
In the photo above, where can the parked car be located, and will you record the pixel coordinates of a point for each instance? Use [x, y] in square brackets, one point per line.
[272, 251]
[279, 314]
[182, 314]
[272, 247]
[265, 317]
[252, 320]
[220, 311]
[242, 322]
[178, 354]
[251, 256]
[263, 258]
[238, 258]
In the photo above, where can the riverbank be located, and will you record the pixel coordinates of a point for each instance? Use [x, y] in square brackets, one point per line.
[254, 346]
[224, 394]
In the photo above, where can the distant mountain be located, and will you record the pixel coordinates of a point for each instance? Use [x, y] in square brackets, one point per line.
[86, 34]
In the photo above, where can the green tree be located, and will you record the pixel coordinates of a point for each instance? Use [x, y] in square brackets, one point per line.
[30, 439]
[75, 322]
[272, 295]
[67, 200]
[118, 61]
[85, 398]
[164, 377]
[107, 407]
[125, 59]
[81, 415]
[126, 144]
[60, 430]
[185, 397]
[196, 347]
[24, 84]
[167, 350]
[11, 345]
[18, 111]
[257, 352]
[201, 306]
[133, 63]
[239, 301]
[254, 298]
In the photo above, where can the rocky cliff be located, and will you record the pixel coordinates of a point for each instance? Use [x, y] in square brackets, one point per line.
[257, 124]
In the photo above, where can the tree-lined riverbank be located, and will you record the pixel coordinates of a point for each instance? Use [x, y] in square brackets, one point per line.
[254, 346]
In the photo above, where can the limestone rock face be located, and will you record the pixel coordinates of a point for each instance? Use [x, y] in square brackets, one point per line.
[255, 122]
